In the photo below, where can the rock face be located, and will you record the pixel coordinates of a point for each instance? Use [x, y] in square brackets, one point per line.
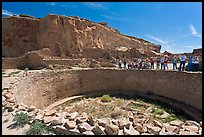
[69, 37]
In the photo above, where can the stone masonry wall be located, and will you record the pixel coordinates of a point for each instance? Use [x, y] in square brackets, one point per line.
[42, 88]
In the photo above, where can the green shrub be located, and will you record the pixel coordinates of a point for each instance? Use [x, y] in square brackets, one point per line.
[169, 118]
[20, 119]
[37, 128]
[106, 98]
[158, 111]
[26, 69]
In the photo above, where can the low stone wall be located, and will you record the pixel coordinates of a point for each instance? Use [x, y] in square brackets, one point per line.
[34, 62]
[42, 88]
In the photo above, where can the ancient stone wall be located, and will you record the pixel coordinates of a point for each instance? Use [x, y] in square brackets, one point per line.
[42, 88]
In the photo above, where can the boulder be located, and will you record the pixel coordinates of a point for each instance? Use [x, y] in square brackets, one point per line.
[88, 133]
[56, 121]
[91, 121]
[74, 131]
[103, 122]
[124, 123]
[61, 129]
[192, 123]
[84, 127]
[131, 131]
[73, 116]
[157, 123]
[39, 117]
[70, 124]
[176, 123]
[139, 128]
[98, 130]
[171, 129]
[192, 128]
[111, 129]
[153, 129]
[47, 119]
[31, 108]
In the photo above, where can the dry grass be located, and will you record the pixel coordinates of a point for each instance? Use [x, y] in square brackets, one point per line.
[112, 107]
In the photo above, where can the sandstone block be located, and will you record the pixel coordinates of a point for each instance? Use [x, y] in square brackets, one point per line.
[84, 127]
[103, 122]
[111, 129]
[70, 124]
[131, 131]
[98, 130]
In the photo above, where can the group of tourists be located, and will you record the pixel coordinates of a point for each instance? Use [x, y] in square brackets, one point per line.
[161, 63]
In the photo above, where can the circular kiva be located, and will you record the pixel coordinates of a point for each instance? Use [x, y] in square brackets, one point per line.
[180, 89]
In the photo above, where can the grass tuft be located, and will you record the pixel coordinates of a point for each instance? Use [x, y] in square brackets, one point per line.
[20, 119]
[37, 128]
[106, 98]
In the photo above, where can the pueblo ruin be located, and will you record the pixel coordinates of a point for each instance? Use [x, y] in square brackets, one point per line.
[72, 56]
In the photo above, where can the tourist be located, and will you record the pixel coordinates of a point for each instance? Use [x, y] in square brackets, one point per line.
[152, 63]
[129, 64]
[166, 63]
[146, 66]
[190, 63]
[140, 62]
[120, 63]
[162, 62]
[195, 62]
[124, 61]
[182, 62]
[136, 63]
[133, 65]
[158, 63]
[174, 62]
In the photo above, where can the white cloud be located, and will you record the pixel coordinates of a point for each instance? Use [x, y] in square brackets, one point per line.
[165, 45]
[115, 18]
[95, 5]
[156, 39]
[194, 31]
[5, 12]
[51, 3]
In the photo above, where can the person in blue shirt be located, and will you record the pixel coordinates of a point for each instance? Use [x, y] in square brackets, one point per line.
[174, 62]
[162, 62]
[189, 63]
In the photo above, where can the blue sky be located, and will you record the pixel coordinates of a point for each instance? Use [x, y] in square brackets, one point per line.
[177, 26]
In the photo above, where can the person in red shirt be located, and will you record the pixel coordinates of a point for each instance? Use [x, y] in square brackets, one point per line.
[129, 64]
[165, 63]
[152, 63]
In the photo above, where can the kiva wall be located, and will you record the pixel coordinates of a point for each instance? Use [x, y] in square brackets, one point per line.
[42, 88]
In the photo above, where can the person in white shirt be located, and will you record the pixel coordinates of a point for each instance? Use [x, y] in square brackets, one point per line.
[183, 59]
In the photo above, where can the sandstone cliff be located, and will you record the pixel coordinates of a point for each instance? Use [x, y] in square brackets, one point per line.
[69, 37]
